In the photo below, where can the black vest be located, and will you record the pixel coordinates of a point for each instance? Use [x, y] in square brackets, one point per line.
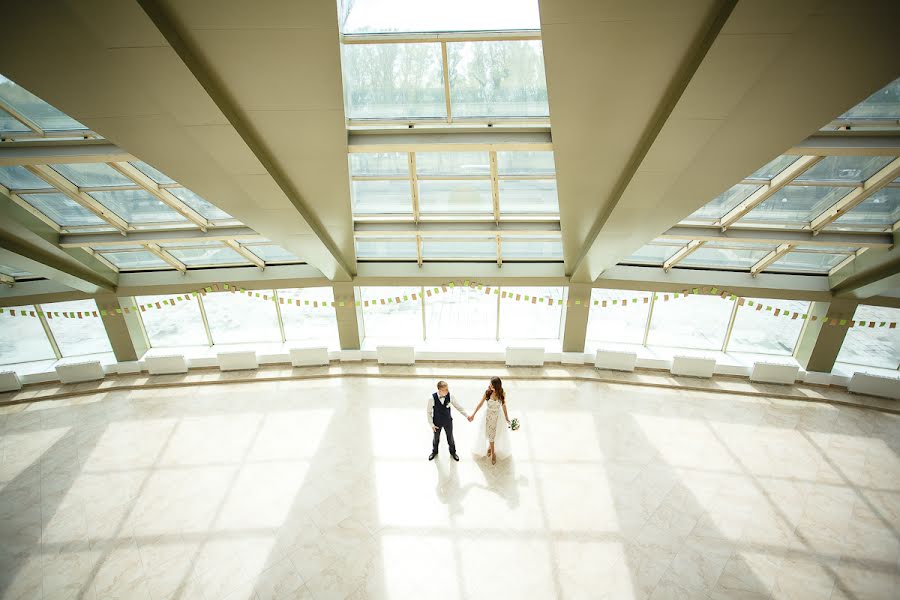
[441, 409]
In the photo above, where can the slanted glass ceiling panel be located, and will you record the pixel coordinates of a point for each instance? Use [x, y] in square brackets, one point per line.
[9, 124]
[14, 272]
[207, 210]
[137, 206]
[880, 209]
[151, 172]
[526, 163]
[543, 248]
[393, 81]
[804, 262]
[91, 174]
[528, 196]
[883, 104]
[141, 259]
[719, 206]
[379, 163]
[20, 178]
[497, 79]
[208, 256]
[831, 249]
[653, 254]
[381, 197]
[796, 203]
[45, 116]
[386, 248]
[773, 167]
[455, 197]
[271, 253]
[452, 164]
[406, 16]
[854, 169]
[62, 210]
[722, 258]
[478, 248]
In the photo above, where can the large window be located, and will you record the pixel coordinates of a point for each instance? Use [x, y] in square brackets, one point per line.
[176, 323]
[462, 313]
[22, 339]
[698, 322]
[392, 313]
[77, 336]
[873, 346]
[306, 322]
[238, 318]
[526, 315]
[618, 316]
[760, 330]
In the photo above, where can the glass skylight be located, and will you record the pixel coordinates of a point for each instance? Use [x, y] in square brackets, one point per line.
[796, 204]
[807, 262]
[389, 16]
[849, 169]
[880, 209]
[883, 104]
[19, 178]
[719, 206]
[712, 256]
[773, 167]
[19, 100]
[653, 254]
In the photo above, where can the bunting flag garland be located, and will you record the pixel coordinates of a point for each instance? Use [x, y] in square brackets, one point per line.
[443, 289]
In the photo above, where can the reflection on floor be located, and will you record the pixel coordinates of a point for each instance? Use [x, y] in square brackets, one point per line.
[321, 489]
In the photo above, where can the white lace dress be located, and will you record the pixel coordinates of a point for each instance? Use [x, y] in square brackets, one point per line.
[490, 423]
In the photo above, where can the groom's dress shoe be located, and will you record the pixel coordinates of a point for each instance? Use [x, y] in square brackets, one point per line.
[455, 457]
[432, 455]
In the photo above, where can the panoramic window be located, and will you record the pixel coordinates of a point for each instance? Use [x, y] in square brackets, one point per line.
[392, 313]
[698, 322]
[461, 313]
[758, 329]
[381, 16]
[22, 339]
[525, 313]
[877, 346]
[615, 317]
[305, 322]
[178, 323]
[241, 318]
[79, 335]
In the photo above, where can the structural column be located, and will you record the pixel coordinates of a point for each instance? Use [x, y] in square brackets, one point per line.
[347, 322]
[820, 343]
[576, 317]
[125, 332]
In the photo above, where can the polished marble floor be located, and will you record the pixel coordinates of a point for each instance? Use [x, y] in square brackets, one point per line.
[321, 489]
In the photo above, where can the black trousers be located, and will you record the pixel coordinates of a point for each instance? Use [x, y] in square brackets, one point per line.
[447, 426]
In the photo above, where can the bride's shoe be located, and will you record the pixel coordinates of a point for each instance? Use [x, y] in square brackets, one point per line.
[489, 453]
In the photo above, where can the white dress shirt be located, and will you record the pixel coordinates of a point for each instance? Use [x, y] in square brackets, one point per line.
[430, 408]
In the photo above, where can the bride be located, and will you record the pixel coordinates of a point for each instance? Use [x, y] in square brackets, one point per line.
[486, 431]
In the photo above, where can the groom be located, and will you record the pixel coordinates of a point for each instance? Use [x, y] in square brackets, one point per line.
[438, 411]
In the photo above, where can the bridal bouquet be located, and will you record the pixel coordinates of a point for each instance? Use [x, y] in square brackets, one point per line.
[514, 424]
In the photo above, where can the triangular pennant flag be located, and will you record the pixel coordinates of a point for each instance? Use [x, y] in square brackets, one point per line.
[882, 324]
[842, 322]
[892, 326]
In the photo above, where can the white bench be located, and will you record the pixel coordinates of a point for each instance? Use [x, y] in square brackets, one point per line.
[90, 370]
[524, 357]
[875, 385]
[396, 355]
[615, 361]
[9, 381]
[774, 373]
[305, 357]
[816, 378]
[693, 366]
[237, 360]
[165, 365]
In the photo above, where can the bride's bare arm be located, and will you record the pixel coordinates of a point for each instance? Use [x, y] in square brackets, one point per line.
[505, 414]
[480, 402]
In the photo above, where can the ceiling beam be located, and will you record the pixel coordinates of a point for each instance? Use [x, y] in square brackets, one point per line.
[74, 193]
[871, 185]
[61, 152]
[260, 263]
[433, 228]
[849, 143]
[683, 253]
[249, 277]
[166, 236]
[38, 292]
[776, 236]
[768, 190]
[161, 194]
[866, 275]
[166, 256]
[769, 258]
[424, 141]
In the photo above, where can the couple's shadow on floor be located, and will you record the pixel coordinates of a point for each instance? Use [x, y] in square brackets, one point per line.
[499, 479]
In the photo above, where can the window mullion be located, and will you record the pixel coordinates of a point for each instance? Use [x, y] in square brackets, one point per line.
[40, 313]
